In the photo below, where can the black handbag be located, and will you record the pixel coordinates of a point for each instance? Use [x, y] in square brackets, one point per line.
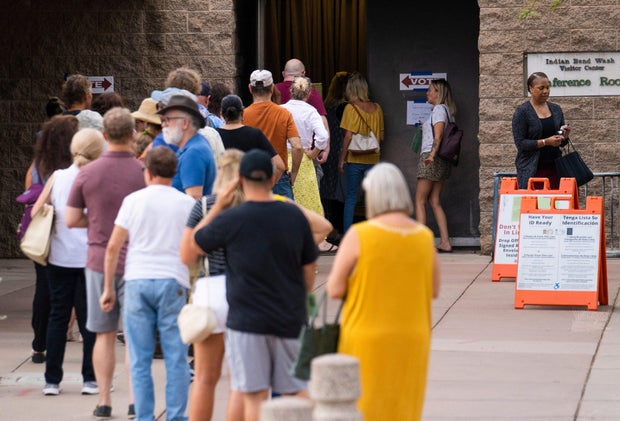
[316, 341]
[571, 165]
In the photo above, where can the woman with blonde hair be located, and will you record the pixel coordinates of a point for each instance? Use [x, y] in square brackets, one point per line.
[314, 138]
[65, 268]
[361, 115]
[210, 290]
[388, 270]
[432, 170]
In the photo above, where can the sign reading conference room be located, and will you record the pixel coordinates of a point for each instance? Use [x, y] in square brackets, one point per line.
[577, 74]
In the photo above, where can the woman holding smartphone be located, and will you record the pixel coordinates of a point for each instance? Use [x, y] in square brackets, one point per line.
[539, 129]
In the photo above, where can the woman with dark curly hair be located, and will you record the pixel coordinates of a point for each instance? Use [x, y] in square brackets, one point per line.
[52, 152]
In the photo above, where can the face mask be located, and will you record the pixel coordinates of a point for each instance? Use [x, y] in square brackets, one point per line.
[172, 135]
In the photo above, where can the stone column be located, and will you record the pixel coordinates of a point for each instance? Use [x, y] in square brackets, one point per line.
[335, 388]
[286, 408]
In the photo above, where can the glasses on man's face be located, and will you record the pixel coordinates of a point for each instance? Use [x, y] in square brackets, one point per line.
[166, 120]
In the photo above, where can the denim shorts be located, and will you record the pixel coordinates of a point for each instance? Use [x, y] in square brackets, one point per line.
[97, 320]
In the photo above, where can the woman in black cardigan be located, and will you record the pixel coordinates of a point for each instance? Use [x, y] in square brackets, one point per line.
[539, 130]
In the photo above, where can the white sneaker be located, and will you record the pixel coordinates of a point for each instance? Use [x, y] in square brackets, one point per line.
[51, 389]
[91, 388]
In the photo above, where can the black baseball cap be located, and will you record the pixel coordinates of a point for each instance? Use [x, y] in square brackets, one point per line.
[256, 165]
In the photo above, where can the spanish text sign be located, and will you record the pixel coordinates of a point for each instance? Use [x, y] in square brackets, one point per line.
[559, 252]
[577, 74]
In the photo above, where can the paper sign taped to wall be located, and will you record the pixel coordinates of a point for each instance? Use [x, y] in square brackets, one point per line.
[418, 110]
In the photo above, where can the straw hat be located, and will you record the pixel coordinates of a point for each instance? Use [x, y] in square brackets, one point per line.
[147, 112]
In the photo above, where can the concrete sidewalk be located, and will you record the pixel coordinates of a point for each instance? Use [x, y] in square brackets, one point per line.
[488, 360]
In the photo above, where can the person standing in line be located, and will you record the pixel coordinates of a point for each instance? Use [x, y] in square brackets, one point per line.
[65, 268]
[101, 187]
[104, 102]
[180, 81]
[210, 290]
[203, 99]
[52, 152]
[332, 183]
[156, 282]
[314, 139]
[539, 129]
[360, 116]
[387, 272]
[218, 92]
[432, 170]
[278, 125]
[148, 127]
[235, 135]
[181, 120]
[293, 69]
[269, 271]
[78, 97]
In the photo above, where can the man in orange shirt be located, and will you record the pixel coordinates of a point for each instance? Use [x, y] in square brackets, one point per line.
[278, 125]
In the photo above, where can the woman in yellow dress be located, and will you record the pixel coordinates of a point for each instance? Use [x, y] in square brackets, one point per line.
[388, 270]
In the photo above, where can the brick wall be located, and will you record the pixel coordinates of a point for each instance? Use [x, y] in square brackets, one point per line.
[580, 25]
[136, 41]
[139, 41]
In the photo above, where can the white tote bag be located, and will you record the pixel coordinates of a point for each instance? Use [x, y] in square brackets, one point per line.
[36, 241]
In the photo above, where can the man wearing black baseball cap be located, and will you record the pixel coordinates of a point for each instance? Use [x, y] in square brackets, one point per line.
[181, 120]
[270, 266]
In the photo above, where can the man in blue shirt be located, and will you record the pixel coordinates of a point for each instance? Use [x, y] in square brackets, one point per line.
[180, 122]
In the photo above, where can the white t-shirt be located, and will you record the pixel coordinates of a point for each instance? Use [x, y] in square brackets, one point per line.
[155, 218]
[440, 113]
[67, 245]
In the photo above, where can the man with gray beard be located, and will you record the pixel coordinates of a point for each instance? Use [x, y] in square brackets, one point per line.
[181, 121]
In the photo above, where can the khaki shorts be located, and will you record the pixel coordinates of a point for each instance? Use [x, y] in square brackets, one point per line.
[97, 320]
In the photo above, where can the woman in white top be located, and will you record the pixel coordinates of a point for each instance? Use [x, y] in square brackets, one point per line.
[432, 170]
[66, 264]
[314, 139]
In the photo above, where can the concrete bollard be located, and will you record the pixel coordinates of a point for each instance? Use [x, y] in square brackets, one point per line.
[286, 408]
[335, 388]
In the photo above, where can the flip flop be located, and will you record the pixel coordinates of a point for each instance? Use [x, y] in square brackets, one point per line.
[331, 250]
[443, 251]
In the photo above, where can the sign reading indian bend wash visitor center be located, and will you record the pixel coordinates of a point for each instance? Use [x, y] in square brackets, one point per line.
[577, 74]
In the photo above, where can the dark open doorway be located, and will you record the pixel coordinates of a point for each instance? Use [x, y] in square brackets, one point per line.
[326, 35]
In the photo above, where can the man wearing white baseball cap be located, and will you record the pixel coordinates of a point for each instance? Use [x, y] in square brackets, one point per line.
[278, 125]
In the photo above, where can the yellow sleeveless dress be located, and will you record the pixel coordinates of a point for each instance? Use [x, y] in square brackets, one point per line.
[386, 319]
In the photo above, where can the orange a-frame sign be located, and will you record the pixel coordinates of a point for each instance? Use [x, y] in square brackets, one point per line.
[561, 259]
[509, 211]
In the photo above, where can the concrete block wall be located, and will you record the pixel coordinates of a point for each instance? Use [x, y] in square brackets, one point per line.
[578, 25]
[137, 41]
